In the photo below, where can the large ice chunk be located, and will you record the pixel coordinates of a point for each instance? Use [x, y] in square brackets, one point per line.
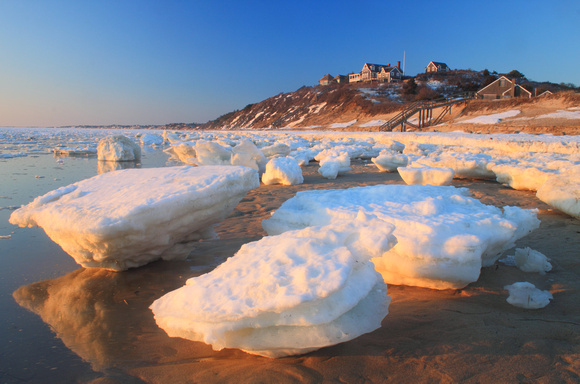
[118, 148]
[211, 153]
[275, 150]
[151, 139]
[465, 165]
[563, 191]
[247, 154]
[333, 165]
[426, 175]
[444, 236]
[287, 294]
[283, 170]
[388, 161]
[522, 176]
[128, 218]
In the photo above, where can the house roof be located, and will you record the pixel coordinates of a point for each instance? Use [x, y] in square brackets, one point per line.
[438, 63]
[481, 91]
[326, 77]
[493, 82]
[379, 67]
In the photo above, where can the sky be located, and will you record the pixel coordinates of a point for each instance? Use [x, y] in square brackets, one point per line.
[102, 62]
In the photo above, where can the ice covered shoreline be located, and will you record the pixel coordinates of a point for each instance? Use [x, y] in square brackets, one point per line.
[447, 328]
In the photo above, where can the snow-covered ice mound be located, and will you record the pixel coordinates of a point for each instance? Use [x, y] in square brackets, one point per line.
[278, 149]
[283, 170]
[333, 165]
[247, 154]
[465, 165]
[128, 218]
[287, 294]
[526, 295]
[522, 176]
[426, 175]
[211, 153]
[118, 148]
[151, 139]
[563, 191]
[444, 236]
[388, 161]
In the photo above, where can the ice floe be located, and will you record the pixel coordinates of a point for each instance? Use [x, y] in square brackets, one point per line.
[562, 191]
[426, 175]
[283, 170]
[151, 139]
[444, 236]
[118, 148]
[530, 260]
[128, 218]
[387, 161]
[287, 294]
[333, 164]
[526, 295]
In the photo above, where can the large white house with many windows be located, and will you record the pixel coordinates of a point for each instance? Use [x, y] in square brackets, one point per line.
[369, 72]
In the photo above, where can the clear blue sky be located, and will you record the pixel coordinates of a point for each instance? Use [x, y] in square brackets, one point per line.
[153, 62]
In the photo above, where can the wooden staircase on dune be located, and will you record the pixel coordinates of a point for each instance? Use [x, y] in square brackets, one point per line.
[424, 112]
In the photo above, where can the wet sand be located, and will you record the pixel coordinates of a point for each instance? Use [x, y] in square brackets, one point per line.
[470, 335]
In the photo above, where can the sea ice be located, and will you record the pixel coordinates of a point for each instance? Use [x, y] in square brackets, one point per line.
[526, 295]
[388, 161]
[444, 236]
[530, 260]
[184, 152]
[333, 165]
[211, 153]
[275, 150]
[118, 148]
[247, 154]
[522, 176]
[171, 137]
[563, 191]
[465, 165]
[74, 152]
[426, 175]
[151, 139]
[288, 294]
[125, 219]
[283, 170]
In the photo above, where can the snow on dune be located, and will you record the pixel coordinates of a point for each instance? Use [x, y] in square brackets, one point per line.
[343, 125]
[491, 119]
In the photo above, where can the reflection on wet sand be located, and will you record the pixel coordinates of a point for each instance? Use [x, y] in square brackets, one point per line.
[103, 316]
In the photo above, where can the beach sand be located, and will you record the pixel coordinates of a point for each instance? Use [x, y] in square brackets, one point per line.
[470, 335]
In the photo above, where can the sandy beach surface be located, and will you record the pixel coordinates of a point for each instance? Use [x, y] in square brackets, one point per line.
[470, 335]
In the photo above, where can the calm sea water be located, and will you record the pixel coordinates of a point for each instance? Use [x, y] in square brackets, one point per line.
[30, 351]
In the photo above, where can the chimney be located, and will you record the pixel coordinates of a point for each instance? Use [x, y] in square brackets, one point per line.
[399, 65]
[388, 65]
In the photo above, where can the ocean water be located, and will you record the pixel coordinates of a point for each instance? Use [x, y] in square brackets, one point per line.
[32, 350]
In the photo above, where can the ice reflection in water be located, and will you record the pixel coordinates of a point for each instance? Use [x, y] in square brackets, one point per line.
[103, 316]
[109, 166]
